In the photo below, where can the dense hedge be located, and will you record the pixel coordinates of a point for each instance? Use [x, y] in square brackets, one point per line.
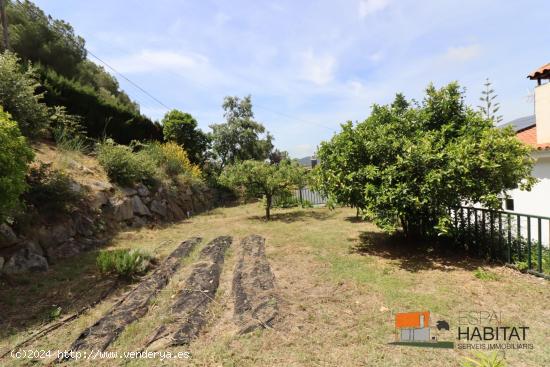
[100, 118]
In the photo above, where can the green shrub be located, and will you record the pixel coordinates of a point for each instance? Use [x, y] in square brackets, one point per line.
[17, 95]
[15, 155]
[172, 158]
[125, 167]
[51, 191]
[483, 274]
[484, 360]
[124, 263]
[67, 130]
[100, 118]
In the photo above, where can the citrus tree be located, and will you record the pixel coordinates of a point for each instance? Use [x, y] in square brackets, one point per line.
[407, 164]
[261, 179]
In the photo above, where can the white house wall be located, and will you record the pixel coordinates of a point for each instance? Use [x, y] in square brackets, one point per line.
[536, 201]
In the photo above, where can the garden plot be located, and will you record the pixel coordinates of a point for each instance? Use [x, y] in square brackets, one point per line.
[134, 305]
[191, 305]
[253, 287]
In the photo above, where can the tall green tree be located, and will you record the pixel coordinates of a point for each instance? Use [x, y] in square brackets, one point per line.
[182, 128]
[489, 107]
[258, 178]
[405, 165]
[240, 137]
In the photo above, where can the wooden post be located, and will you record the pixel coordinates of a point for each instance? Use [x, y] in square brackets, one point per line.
[4, 20]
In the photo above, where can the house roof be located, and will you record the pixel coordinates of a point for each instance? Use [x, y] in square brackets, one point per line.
[526, 131]
[541, 73]
[529, 137]
[411, 319]
[521, 123]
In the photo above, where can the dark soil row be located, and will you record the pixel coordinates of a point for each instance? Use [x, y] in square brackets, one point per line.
[190, 308]
[254, 287]
[134, 305]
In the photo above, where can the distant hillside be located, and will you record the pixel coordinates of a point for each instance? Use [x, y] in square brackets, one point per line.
[306, 161]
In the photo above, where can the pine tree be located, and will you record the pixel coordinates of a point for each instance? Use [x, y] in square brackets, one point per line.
[489, 107]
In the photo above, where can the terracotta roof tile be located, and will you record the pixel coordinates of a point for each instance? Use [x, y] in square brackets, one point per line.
[529, 137]
[542, 72]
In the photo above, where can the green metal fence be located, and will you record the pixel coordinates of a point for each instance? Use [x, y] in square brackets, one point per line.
[525, 238]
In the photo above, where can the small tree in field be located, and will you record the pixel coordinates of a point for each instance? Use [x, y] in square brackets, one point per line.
[405, 166]
[259, 179]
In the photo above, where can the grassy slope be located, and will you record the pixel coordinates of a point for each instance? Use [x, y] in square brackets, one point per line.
[337, 303]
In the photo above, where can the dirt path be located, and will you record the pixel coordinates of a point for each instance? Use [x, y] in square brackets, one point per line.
[191, 305]
[253, 287]
[134, 305]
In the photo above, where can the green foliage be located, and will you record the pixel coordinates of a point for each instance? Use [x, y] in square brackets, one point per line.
[406, 164]
[67, 130]
[51, 191]
[258, 179]
[100, 118]
[15, 155]
[182, 128]
[124, 263]
[239, 139]
[483, 274]
[125, 167]
[484, 360]
[489, 108]
[171, 158]
[39, 38]
[18, 95]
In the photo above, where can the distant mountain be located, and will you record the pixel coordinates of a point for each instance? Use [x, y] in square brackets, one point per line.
[306, 161]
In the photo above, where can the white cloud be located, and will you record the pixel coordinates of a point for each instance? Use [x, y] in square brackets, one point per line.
[302, 150]
[368, 7]
[318, 69]
[158, 60]
[463, 53]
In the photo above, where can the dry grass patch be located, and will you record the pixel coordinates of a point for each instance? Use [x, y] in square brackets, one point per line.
[336, 303]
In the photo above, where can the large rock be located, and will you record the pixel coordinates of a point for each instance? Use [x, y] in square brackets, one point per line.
[63, 250]
[142, 190]
[100, 186]
[52, 235]
[128, 191]
[176, 211]
[7, 236]
[159, 207]
[24, 261]
[139, 207]
[122, 209]
[99, 199]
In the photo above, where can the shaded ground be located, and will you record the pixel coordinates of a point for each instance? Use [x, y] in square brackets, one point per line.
[336, 304]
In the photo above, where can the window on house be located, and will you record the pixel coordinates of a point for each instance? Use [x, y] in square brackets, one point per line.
[509, 204]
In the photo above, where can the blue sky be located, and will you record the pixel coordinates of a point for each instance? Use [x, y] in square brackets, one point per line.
[311, 65]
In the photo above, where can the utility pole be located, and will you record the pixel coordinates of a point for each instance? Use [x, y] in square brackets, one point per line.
[4, 20]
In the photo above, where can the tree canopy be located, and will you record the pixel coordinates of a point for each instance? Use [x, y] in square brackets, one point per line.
[259, 178]
[181, 127]
[407, 164]
[240, 137]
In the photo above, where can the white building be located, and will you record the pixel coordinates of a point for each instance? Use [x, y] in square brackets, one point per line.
[535, 131]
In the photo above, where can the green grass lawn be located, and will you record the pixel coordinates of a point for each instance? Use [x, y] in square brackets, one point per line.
[340, 282]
